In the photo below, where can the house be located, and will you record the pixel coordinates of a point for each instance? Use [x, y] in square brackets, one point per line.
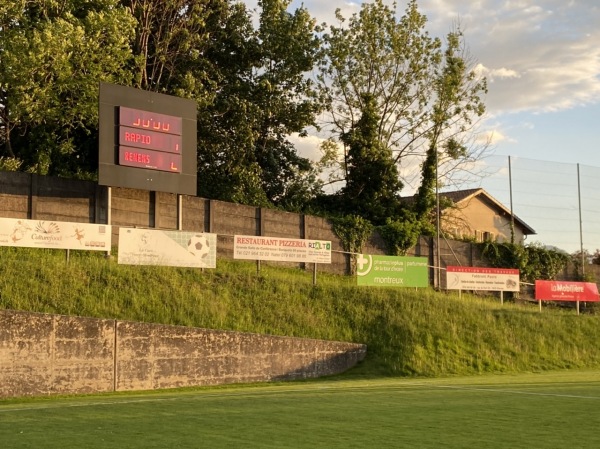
[475, 214]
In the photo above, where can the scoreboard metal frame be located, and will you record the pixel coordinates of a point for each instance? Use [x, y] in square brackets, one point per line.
[147, 140]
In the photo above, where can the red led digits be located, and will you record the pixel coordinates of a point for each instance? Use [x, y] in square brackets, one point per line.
[151, 124]
[152, 121]
[149, 140]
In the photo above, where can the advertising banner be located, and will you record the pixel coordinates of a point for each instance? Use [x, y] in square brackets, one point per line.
[281, 249]
[480, 278]
[566, 291]
[391, 271]
[54, 234]
[167, 248]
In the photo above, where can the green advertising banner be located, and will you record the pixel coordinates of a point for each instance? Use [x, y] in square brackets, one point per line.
[391, 271]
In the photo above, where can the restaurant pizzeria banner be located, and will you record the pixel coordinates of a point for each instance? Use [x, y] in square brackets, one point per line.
[54, 234]
[391, 271]
[566, 291]
[481, 278]
[281, 249]
[167, 248]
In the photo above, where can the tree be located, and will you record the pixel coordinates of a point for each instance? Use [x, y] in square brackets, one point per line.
[427, 100]
[289, 100]
[171, 39]
[372, 187]
[456, 102]
[53, 54]
[263, 97]
[206, 50]
[250, 86]
[11, 14]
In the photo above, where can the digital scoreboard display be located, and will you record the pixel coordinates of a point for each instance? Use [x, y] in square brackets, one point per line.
[149, 140]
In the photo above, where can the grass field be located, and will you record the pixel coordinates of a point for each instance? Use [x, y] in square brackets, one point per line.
[547, 410]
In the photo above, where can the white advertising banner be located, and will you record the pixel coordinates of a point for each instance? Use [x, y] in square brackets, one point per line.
[54, 234]
[167, 248]
[480, 278]
[281, 249]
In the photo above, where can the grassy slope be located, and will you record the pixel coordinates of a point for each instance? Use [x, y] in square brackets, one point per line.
[408, 332]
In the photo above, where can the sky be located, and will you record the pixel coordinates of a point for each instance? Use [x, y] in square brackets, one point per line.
[542, 62]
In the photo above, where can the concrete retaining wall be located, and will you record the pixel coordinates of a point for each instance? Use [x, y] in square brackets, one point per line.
[51, 354]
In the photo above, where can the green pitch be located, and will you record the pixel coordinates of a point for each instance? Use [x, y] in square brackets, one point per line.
[555, 410]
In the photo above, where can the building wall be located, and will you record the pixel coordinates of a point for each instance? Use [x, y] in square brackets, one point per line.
[478, 219]
[51, 354]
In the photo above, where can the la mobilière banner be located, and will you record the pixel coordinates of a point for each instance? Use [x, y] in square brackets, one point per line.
[566, 291]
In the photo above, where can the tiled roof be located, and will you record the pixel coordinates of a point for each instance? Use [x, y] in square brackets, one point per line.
[459, 196]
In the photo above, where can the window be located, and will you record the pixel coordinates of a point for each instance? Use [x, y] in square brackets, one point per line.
[484, 236]
[488, 236]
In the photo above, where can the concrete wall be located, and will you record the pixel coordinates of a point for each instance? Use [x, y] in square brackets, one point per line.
[51, 354]
[31, 196]
[24, 195]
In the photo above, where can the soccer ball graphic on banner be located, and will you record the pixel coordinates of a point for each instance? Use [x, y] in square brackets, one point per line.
[198, 246]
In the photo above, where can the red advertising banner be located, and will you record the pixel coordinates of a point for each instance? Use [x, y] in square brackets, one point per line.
[566, 291]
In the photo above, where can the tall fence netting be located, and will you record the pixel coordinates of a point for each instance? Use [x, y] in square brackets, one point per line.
[560, 201]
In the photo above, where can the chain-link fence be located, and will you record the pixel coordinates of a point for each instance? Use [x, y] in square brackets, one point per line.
[560, 201]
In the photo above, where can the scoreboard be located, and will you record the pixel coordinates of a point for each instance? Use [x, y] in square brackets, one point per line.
[147, 140]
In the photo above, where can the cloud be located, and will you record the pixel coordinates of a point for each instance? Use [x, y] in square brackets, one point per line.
[538, 56]
[493, 74]
[308, 146]
[493, 136]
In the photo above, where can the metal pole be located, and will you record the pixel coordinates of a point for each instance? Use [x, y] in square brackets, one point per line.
[179, 212]
[108, 212]
[437, 208]
[512, 214]
[580, 225]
